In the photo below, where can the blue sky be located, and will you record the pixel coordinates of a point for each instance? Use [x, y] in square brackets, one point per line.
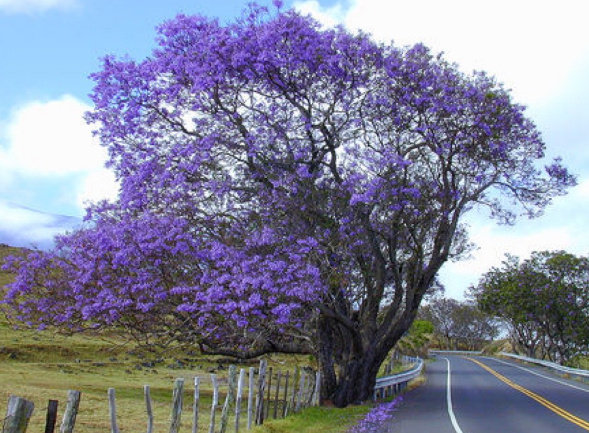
[50, 165]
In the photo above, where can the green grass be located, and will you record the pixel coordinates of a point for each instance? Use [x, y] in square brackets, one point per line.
[42, 365]
[580, 362]
[497, 346]
[316, 420]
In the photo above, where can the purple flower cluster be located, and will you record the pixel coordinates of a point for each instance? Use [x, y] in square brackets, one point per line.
[378, 417]
[156, 266]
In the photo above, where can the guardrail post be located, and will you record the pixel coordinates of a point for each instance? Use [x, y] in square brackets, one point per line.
[396, 382]
[582, 374]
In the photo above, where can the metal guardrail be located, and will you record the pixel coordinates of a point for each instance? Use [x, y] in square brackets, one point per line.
[390, 385]
[552, 365]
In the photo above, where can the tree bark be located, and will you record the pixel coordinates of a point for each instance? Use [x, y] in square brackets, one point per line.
[348, 370]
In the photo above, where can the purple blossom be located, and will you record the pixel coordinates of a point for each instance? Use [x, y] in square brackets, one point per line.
[377, 417]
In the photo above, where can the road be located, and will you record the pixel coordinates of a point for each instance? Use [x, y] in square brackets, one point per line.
[488, 396]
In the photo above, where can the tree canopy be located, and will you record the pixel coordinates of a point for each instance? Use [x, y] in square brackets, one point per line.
[285, 188]
[545, 300]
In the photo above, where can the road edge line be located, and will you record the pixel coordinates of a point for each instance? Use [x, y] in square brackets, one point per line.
[449, 400]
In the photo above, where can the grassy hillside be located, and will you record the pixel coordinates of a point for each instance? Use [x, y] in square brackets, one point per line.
[43, 365]
[6, 250]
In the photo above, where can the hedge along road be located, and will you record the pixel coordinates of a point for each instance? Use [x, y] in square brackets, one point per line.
[487, 395]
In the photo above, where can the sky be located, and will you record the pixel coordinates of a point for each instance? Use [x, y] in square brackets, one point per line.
[51, 166]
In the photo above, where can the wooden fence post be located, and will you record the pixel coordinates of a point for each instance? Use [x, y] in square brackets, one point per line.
[238, 398]
[268, 386]
[260, 395]
[112, 408]
[195, 404]
[310, 391]
[18, 414]
[214, 403]
[299, 400]
[229, 399]
[71, 411]
[305, 391]
[148, 408]
[250, 398]
[295, 380]
[51, 418]
[285, 408]
[275, 414]
[176, 414]
[317, 400]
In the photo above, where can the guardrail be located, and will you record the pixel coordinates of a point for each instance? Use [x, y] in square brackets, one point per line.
[391, 385]
[552, 365]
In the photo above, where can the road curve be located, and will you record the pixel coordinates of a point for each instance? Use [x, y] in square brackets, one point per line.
[489, 396]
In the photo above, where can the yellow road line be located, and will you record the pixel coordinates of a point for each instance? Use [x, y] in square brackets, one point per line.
[554, 408]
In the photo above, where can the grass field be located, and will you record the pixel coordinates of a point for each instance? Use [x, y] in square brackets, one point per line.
[42, 365]
[316, 420]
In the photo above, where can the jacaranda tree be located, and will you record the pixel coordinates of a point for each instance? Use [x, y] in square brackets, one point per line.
[285, 188]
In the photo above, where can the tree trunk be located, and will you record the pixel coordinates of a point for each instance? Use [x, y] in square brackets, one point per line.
[348, 369]
[357, 380]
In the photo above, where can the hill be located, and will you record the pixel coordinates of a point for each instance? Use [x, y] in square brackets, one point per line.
[6, 250]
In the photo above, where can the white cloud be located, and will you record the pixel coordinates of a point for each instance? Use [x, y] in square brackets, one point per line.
[97, 185]
[5, 177]
[32, 6]
[494, 244]
[563, 227]
[46, 140]
[52, 138]
[329, 17]
[530, 45]
[15, 218]
[24, 227]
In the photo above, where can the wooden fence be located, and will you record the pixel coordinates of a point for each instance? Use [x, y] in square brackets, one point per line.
[269, 395]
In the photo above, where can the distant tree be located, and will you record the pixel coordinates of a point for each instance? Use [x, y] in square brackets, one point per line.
[545, 299]
[285, 189]
[440, 312]
[500, 293]
[473, 328]
[459, 325]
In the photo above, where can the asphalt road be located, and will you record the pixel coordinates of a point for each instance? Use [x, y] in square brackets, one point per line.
[492, 396]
